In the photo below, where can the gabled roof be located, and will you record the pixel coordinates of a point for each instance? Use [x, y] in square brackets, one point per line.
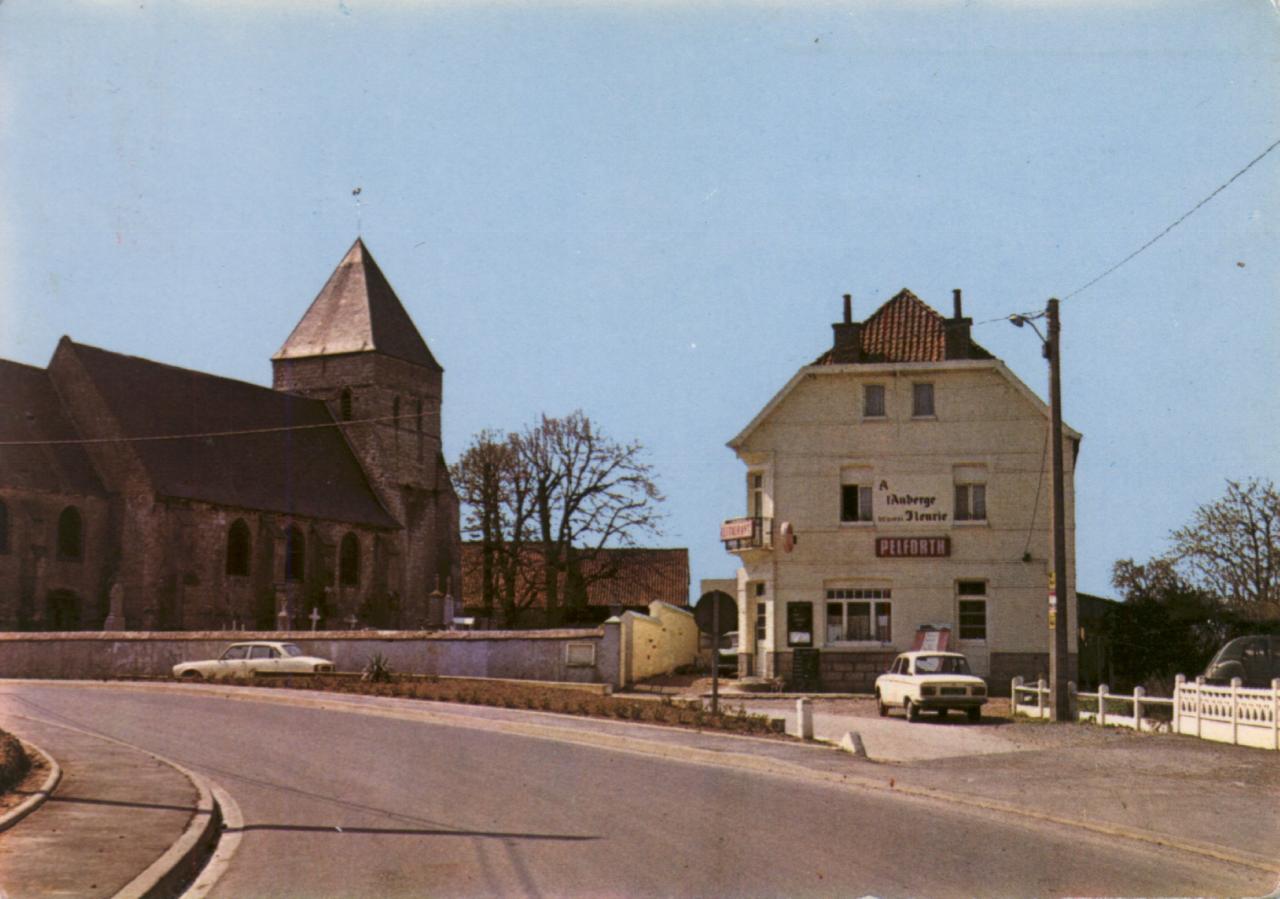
[904, 329]
[32, 413]
[643, 575]
[357, 312]
[308, 471]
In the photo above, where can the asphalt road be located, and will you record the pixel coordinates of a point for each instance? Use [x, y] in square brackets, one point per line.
[341, 803]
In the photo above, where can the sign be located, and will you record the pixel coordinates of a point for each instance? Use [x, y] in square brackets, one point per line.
[931, 639]
[737, 529]
[913, 547]
[799, 624]
[788, 536]
[921, 500]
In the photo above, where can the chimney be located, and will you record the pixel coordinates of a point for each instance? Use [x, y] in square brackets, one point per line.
[847, 345]
[958, 339]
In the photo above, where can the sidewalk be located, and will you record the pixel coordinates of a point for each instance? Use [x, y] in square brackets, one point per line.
[116, 811]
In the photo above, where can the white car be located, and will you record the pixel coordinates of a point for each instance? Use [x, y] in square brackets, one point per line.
[258, 657]
[938, 681]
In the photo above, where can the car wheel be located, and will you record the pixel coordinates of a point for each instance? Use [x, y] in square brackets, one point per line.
[192, 675]
[975, 714]
[913, 710]
[880, 706]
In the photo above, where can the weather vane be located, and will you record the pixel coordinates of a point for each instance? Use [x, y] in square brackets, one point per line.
[356, 193]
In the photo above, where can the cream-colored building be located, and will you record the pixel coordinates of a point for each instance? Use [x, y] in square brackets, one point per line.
[901, 482]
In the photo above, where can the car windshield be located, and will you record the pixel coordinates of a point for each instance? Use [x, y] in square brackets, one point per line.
[942, 665]
[290, 650]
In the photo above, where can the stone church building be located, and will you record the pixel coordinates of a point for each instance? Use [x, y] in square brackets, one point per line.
[138, 495]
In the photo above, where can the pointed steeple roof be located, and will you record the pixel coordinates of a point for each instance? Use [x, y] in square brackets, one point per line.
[357, 311]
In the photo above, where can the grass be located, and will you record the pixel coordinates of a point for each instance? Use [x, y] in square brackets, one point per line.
[536, 697]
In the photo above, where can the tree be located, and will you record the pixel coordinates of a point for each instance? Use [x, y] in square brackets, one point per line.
[1232, 548]
[544, 503]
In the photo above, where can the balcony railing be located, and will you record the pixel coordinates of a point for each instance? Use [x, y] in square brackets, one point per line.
[741, 534]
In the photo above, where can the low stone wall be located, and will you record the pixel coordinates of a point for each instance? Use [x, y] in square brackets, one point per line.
[582, 656]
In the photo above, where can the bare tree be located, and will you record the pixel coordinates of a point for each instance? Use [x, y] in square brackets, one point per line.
[1232, 547]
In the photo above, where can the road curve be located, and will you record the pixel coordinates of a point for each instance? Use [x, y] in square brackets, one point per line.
[363, 799]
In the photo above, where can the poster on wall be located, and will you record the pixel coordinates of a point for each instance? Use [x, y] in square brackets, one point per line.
[913, 500]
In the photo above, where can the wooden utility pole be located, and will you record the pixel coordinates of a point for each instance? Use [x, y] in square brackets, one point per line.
[1060, 700]
[715, 653]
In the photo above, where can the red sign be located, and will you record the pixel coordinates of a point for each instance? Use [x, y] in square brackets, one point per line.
[931, 639]
[913, 547]
[737, 529]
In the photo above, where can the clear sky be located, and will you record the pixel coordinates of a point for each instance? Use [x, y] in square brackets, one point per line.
[650, 210]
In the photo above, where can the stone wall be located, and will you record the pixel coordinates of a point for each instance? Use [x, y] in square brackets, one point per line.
[583, 656]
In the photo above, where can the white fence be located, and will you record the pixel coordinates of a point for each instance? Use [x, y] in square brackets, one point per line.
[1230, 714]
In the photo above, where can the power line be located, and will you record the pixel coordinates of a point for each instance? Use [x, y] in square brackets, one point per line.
[82, 441]
[1186, 215]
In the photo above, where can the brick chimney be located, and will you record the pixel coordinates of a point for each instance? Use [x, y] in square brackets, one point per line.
[847, 345]
[958, 339]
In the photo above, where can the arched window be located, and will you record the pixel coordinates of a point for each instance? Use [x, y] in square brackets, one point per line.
[345, 404]
[349, 561]
[295, 554]
[4, 528]
[70, 544]
[238, 548]
[395, 411]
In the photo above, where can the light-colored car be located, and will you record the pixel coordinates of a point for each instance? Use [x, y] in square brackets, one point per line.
[728, 654]
[938, 681]
[258, 657]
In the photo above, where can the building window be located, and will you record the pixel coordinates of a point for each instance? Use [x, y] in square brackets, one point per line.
[971, 502]
[4, 528]
[756, 500]
[349, 561]
[873, 401]
[855, 502]
[922, 401]
[972, 610]
[762, 621]
[238, 548]
[295, 554]
[859, 615]
[345, 404]
[70, 543]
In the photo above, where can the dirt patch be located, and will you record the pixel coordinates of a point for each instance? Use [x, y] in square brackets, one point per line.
[26, 785]
[14, 763]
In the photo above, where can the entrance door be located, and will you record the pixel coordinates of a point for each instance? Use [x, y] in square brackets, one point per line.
[62, 611]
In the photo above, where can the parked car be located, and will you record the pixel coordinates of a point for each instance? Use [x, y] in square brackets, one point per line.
[937, 681]
[258, 657]
[1254, 659]
[728, 654]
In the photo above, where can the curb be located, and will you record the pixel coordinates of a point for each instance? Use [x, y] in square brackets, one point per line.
[181, 861]
[37, 799]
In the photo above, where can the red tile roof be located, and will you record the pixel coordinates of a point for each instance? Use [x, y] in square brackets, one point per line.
[905, 329]
[644, 575]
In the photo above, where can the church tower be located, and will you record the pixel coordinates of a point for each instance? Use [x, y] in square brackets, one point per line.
[357, 349]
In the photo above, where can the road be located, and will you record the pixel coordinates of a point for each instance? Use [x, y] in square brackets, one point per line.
[372, 798]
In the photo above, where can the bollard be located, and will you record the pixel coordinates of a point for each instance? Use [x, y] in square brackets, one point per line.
[1040, 691]
[1138, 693]
[1102, 703]
[804, 719]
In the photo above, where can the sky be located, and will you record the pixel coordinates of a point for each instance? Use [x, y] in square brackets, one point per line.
[650, 210]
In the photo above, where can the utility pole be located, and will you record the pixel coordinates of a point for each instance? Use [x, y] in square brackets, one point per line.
[715, 653]
[1059, 699]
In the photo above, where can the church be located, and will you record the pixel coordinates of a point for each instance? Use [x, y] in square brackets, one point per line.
[138, 495]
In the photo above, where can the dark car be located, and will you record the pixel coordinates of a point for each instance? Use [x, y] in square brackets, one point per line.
[1255, 660]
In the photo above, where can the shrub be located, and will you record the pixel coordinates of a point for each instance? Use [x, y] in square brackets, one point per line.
[14, 763]
[377, 670]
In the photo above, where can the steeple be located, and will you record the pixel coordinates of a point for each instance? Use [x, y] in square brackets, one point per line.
[356, 312]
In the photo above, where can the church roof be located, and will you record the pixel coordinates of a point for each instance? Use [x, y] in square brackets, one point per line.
[356, 312]
[31, 413]
[308, 470]
[904, 329]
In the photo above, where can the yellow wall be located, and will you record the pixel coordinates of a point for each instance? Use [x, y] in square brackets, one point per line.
[658, 643]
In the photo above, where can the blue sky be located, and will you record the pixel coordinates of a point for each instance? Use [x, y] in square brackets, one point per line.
[650, 210]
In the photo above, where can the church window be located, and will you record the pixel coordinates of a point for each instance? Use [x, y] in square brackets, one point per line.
[238, 548]
[345, 403]
[295, 554]
[4, 528]
[349, 561]
[69, 534]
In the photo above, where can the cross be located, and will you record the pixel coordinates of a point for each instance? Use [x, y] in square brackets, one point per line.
[283, 615]
[314, 616]
[351, 622]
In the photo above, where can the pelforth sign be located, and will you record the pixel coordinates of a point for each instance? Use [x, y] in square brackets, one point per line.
[913, 547]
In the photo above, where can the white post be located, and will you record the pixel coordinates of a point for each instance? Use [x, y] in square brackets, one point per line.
[1275, 713]
[1235, 710]
[1199, 702]
[1138, 693]
[1102, 703]
[1040, 688]
[1177, 703]
[1013, 693]
[804, 719]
